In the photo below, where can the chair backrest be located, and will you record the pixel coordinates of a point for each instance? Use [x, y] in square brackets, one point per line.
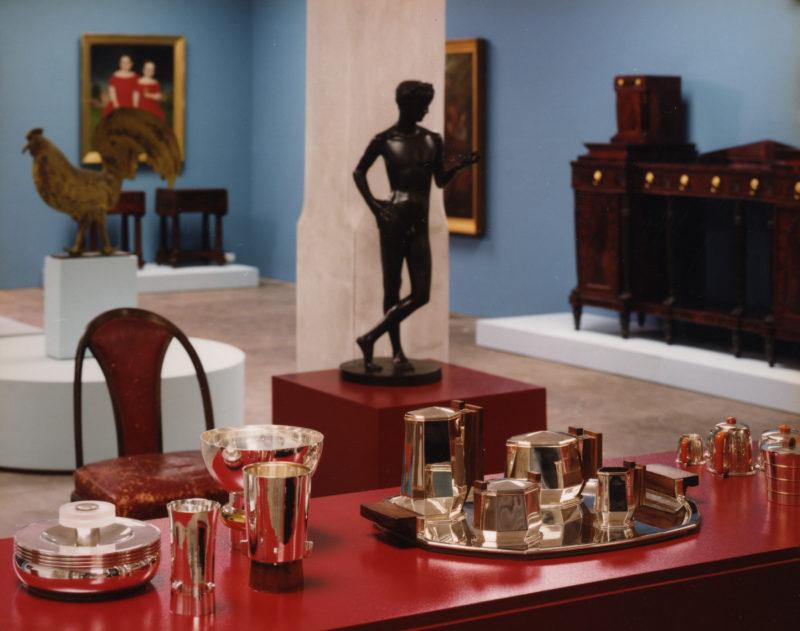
[129, 345]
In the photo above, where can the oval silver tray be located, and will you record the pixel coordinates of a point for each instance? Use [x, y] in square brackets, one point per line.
[566, 530]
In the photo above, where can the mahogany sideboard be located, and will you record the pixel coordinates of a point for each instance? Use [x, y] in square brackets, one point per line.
[710, 239]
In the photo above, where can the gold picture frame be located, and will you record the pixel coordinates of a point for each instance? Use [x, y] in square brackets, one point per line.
[100, 59]
[465, 133]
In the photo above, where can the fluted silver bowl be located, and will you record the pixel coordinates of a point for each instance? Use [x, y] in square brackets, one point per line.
[227, 450]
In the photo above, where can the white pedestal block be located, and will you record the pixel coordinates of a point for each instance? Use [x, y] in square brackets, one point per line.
[644, 355]
[80, 288]
[154, 278]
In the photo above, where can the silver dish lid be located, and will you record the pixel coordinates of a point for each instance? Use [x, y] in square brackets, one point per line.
[784, 440]
[542, 438]
[86, 550]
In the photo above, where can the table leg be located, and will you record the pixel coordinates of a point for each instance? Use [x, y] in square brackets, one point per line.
[161, 256]
[218, 241]
[124, 232]
[206, 237]
[176, 241]
[137, 239]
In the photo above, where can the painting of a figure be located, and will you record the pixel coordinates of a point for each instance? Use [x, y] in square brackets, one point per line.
[141, 71]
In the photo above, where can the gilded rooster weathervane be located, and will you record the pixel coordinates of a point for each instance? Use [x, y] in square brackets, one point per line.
[87, 195]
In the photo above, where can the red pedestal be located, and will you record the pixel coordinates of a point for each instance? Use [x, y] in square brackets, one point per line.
[737, 571]
[363, 425]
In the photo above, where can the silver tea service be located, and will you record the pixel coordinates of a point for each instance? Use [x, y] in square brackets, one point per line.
[554, 499]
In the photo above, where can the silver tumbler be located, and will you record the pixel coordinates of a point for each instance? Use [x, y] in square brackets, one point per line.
[192, 528]
[276, 496]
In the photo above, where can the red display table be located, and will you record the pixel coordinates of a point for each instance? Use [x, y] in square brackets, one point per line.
[363, 425]
[740, 568]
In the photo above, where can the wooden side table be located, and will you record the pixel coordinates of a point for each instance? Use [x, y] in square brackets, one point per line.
[131, 204]
[172, 203]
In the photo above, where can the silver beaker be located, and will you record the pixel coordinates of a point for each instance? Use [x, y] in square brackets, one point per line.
[192, 529]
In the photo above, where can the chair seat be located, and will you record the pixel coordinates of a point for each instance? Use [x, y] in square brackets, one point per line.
[140, 486]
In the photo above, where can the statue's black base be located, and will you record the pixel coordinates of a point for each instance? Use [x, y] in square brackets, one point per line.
[424, 372]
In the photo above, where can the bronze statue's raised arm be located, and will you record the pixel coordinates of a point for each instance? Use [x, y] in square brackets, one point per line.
[441, 176]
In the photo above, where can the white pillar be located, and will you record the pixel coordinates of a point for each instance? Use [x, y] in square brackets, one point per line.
[357, 53]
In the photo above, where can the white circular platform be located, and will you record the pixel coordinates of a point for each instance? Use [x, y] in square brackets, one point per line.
[36, 421]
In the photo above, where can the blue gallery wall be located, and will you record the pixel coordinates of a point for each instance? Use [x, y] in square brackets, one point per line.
[549, 90]
[39, 86]
[278, 135]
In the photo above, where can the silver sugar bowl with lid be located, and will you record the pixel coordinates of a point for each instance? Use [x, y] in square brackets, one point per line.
[779, 459]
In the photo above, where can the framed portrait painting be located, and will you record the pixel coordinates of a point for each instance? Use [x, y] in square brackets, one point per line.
[145, 71]
[464, 133]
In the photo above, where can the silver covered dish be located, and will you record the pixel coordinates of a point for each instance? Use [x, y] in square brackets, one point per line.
[779, 459]
[53, 556]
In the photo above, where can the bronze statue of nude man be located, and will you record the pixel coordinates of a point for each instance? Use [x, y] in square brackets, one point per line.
[413, 155]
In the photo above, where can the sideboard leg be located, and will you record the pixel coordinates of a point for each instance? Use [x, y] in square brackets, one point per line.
[625, 323]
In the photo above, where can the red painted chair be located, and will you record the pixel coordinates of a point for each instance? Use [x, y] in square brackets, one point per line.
[129, 345]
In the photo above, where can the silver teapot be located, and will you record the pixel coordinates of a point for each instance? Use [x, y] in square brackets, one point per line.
[730, 449]
[555, 456]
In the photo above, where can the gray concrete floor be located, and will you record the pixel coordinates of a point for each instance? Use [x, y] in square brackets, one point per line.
[635, 417]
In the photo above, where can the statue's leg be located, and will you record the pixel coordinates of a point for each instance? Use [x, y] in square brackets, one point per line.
[391, 296]
[419, 270]
[392, 253]
[418, 257]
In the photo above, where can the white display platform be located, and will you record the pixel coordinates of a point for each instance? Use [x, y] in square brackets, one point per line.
[14, 327]
[154, 278]
[36, 419]
[599, 346]
[76, 289]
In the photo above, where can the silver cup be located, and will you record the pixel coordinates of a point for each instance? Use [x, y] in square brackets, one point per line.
[192, 529]
[690, 450]
[276, 498]
[617, 497]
